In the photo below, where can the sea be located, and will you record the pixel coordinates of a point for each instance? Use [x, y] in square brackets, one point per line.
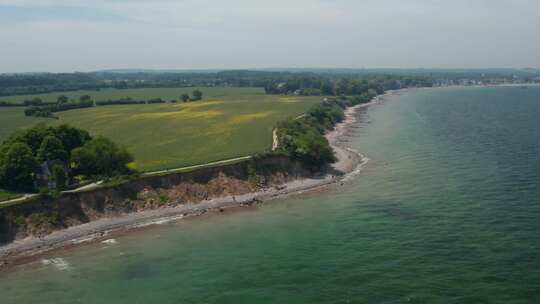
[447, 210]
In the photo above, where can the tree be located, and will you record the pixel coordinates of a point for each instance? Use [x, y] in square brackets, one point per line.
[70, 137]
[85, 98]
[197, 95]
[17, 167]
[52, 148]
[83, 161]
[303, 142]
[61, 99]
[100, 156]
[342, 86]
[327, 88]
[32, 137]
[184, 97]
[314, 150]
[59, 176]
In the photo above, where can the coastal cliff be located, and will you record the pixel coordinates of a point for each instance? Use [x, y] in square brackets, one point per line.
[45, 215]
[35, 227]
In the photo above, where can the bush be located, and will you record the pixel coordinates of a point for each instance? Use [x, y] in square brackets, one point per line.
[303, 142]
[197, 95]
[303, 139]
[101, 157]
[42, 218]
[156, 100]
[121, 101]
[20, 220]
[163, 198]
[45, 193]
[324, 117]
[40, 109]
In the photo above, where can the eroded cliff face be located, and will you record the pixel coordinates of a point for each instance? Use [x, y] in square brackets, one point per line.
[44, 216]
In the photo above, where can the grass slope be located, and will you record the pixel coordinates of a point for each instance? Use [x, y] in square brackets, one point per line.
[229, 123]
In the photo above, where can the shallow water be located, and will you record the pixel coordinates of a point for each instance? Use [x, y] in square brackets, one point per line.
[446, 211]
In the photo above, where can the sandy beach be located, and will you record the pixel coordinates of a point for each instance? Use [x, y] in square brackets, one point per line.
[348, 162]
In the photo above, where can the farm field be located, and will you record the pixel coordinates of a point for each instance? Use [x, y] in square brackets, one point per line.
[12, 119]
[137, 94]
[231, 124]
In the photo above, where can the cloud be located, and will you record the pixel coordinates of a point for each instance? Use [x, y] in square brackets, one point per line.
[189, 13]
[18, 14]
[72, 35]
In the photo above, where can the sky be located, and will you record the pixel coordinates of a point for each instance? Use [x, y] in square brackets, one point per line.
[89, 35]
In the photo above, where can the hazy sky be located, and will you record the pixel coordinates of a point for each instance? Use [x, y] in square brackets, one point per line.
[85, 35]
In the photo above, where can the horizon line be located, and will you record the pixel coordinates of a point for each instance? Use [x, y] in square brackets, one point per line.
[172, 70]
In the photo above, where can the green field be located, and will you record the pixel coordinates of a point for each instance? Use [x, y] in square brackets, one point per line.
[12, 119]
[232, 123]
[137, 94]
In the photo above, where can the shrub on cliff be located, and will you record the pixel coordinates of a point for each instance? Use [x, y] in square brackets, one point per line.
[303, 140]
[100, 157]
[325, 116]
[304, 143]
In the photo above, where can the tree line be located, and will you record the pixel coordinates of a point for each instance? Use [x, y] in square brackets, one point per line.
[343, 86]
[302, 138]
[18, 84]
[73, 152]
[37, 108]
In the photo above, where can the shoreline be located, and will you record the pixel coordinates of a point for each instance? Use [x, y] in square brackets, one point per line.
[349, 162]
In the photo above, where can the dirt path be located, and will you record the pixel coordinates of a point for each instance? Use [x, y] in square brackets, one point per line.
[275, 141]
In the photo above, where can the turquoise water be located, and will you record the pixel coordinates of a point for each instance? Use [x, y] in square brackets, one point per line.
[446, 211]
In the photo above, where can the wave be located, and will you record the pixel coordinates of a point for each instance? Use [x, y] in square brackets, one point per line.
[58, 263]
[109, 242]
